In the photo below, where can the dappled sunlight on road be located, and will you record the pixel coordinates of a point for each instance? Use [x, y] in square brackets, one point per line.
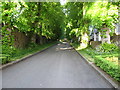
[64, 46]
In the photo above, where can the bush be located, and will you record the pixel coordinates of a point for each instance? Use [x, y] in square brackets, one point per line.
[32, 45]
[109, 67]
[4, 58]
[6, 54]
[8, 50]
[92, 52]
[107, 48]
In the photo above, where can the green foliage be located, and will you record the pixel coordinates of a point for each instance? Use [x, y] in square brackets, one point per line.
[31, 18]
[4, 58]
[74, 19]
[74, 33]
[109, 67]
[8, 50]
[92, 52]
[31, 45]
[83, 14]
[100, 13]
[7, 53]
[42, 18]
[50, 19]
[108, 48]
[30, 50]
[99, 59]
[19, 53]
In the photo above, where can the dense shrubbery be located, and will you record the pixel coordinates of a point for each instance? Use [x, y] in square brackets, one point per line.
[93, 52]
[108, 48]
[5, 58]
[109, 67]
[99, 58]
[83, 15]
[94, 14]
[10, 50]
[40, 19]
[7, 53]
[19, 53]
[31, 45]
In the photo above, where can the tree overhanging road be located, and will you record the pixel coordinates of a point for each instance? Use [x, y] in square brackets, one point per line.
[57, 67]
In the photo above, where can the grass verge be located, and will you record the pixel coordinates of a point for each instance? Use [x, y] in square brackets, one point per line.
[20, 53]
[108, 62]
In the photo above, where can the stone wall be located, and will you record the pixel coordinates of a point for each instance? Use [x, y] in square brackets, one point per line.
[20, 39]
[94, 44]
[116, 39]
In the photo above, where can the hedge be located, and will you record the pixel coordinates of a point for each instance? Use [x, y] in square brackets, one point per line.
[109, 67]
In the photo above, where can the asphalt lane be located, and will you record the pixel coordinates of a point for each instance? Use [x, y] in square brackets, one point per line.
[57, 67]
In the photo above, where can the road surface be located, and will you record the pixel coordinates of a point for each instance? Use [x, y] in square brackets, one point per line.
[57, 67]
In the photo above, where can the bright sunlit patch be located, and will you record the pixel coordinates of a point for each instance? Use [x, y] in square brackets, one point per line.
[84, 42]
[112, 59]
[62, 2]
[67, 48]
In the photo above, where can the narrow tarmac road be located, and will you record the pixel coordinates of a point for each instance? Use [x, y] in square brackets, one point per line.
[57, 67]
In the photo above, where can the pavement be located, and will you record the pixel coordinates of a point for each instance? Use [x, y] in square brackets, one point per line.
[57, 67]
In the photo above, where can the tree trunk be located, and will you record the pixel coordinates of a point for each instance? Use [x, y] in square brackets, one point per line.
[40, 32]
